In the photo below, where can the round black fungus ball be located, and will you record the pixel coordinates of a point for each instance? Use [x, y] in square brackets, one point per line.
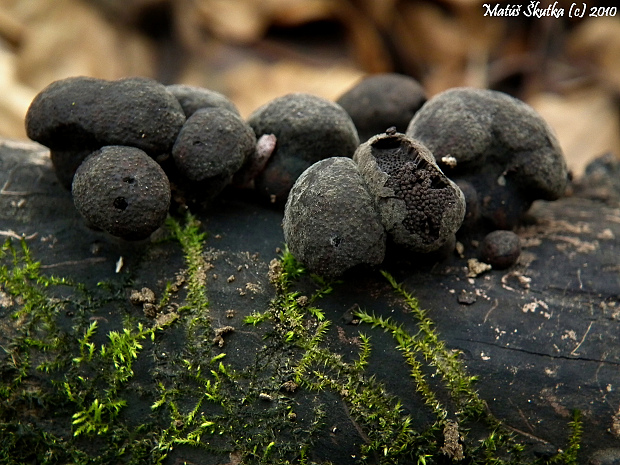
[420, 207]
[122, 191]
[497, 143]
[307, 129]
[194, 98]
[81, 113]
[381, 101]
[500, 249]
[212, 145]
[330, 224]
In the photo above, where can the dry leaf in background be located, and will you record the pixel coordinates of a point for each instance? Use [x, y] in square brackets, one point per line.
[595, 44]
[255, 51]
[69, 38]
[453, 49]
[255, 83]
[15, 98]
[585, 121]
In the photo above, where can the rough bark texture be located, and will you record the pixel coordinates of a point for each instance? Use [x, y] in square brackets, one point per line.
[542, 336]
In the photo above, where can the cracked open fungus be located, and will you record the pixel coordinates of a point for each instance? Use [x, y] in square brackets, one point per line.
[420, 207]
[496, 143]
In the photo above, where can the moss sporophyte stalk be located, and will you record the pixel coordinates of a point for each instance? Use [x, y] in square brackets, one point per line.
[86, 391]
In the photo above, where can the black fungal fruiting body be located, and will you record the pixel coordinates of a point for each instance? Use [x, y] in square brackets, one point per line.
[498, 144]
[380, 101]
[420, 207]
[330, 224]
[472, 204]
[194, 98]
[307, 129]
[82, 112]
[500, 249]
[211, 147]
[76, 116]
[122, 191]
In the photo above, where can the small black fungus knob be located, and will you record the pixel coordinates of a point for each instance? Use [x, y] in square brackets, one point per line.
[330, 223]
[381, 101]
[307, 128]
[212, 146]
[194, 98]
[498, 144]
[420, 207]
[122, 191]
[500, 249]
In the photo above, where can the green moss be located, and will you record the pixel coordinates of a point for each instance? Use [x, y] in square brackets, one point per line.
[71, 394]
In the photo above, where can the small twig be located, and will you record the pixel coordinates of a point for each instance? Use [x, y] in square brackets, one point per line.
[527, 435]
[574, 351]
[75, 262]
[495, 305]
[14, 235]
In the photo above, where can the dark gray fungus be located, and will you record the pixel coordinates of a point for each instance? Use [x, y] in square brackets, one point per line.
[122, 191]
[307, 128]
[500, 249]
[80, 113]
[66, 162]
[194, 98]
[380, 101]
[472, 205]
[420, 207]
[330, 224]
[497, 143]
[212, 145]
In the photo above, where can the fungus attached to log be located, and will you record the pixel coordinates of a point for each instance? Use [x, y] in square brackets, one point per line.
[73, 117]
[501, 249]
[330, 223]
[420, 207]
[122, 191]
[211, 147]
[498, 144]
[307, 129]
[381, 101]
[85, 112]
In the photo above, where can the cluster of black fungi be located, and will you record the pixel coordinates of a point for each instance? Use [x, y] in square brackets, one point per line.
[380, 165]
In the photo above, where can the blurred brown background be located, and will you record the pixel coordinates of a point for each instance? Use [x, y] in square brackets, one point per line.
[255, 50]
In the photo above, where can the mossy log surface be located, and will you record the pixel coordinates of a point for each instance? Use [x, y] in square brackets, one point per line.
[542, 336]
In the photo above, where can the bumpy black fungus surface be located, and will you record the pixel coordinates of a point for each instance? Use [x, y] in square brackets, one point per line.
[498, 144]
[330, 223]
[212, 145]
[122, 191]
[194, 98]
[308, 129]
[81, 113]
[381, 101]
[419, 206]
